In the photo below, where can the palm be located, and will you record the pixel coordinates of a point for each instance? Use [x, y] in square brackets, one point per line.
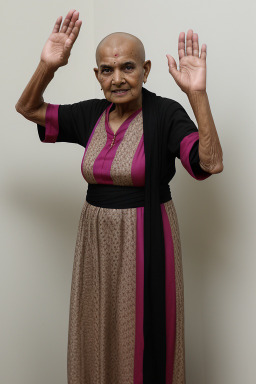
[53, 52]
[191, 75]
[57, 48]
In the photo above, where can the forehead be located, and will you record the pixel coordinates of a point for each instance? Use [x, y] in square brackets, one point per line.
[118, 51]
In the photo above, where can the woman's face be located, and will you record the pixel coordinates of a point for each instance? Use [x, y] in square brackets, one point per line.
[120, 68]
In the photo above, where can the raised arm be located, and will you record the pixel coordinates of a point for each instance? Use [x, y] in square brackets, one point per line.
[191, 78]
[55, 54]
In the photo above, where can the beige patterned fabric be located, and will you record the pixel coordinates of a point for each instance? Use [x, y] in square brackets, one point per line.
[101, 338]
[98, 141]
[103, 298]
[179, 357]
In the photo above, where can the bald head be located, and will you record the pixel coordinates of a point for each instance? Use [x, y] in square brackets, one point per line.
[121, 40]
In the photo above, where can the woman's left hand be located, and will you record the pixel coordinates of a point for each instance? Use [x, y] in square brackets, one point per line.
[191, 76]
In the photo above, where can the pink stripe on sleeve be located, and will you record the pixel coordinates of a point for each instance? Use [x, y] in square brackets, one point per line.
[185, 148]
[51, 123]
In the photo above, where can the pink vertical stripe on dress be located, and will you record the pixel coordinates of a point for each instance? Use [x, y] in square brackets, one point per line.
[185, 148]
[170, 296]
[139, 337]
[51, 123]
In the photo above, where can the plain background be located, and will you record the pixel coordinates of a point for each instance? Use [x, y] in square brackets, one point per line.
[43, 191]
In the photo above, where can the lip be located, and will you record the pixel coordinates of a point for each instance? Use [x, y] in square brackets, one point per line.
[116, 92]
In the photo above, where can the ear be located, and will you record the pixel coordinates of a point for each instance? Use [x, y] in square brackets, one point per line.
[147, 67]
[96, 71]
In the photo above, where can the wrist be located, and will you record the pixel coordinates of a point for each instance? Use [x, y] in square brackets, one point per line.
[196, 94]
[47, 68]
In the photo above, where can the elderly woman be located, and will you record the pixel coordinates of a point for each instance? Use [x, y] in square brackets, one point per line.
[126, 320]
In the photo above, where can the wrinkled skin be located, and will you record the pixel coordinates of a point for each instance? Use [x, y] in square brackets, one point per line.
[114, 51]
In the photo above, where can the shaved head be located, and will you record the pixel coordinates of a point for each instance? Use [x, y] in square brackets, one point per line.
[122, 70]
[115, 39]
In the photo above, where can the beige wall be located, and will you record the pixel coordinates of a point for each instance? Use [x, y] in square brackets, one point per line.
[42, 189]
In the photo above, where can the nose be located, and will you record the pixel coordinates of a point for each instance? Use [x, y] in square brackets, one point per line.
[117, 78]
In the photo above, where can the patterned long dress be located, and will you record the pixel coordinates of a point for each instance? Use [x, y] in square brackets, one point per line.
[105, 339]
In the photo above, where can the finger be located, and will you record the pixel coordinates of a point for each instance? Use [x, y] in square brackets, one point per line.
[57, 25]
[203, 52]
[68, 45]
[67, 21]
[195, 45]
[72, 22]
[75, 31]
[189, 42]
[173, 67]
[181, 45]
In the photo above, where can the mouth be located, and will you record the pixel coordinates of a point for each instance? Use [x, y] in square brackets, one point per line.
[120, 91]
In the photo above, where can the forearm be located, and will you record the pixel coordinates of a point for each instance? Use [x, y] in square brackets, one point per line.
[32, 96]
[210, 151]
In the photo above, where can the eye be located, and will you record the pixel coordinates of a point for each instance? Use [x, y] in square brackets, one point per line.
[105, 69]
[129, 66]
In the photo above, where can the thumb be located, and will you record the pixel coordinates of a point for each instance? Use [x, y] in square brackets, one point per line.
[172, 67]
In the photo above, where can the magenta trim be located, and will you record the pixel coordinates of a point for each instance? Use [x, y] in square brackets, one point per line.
[88, 142]
[51, 123]
[170, 296]
[139, 336]
[185, 148]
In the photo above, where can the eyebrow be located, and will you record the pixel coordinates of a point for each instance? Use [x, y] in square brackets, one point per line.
[122, 64]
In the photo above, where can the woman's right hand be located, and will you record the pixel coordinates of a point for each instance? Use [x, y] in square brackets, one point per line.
[57, 49]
